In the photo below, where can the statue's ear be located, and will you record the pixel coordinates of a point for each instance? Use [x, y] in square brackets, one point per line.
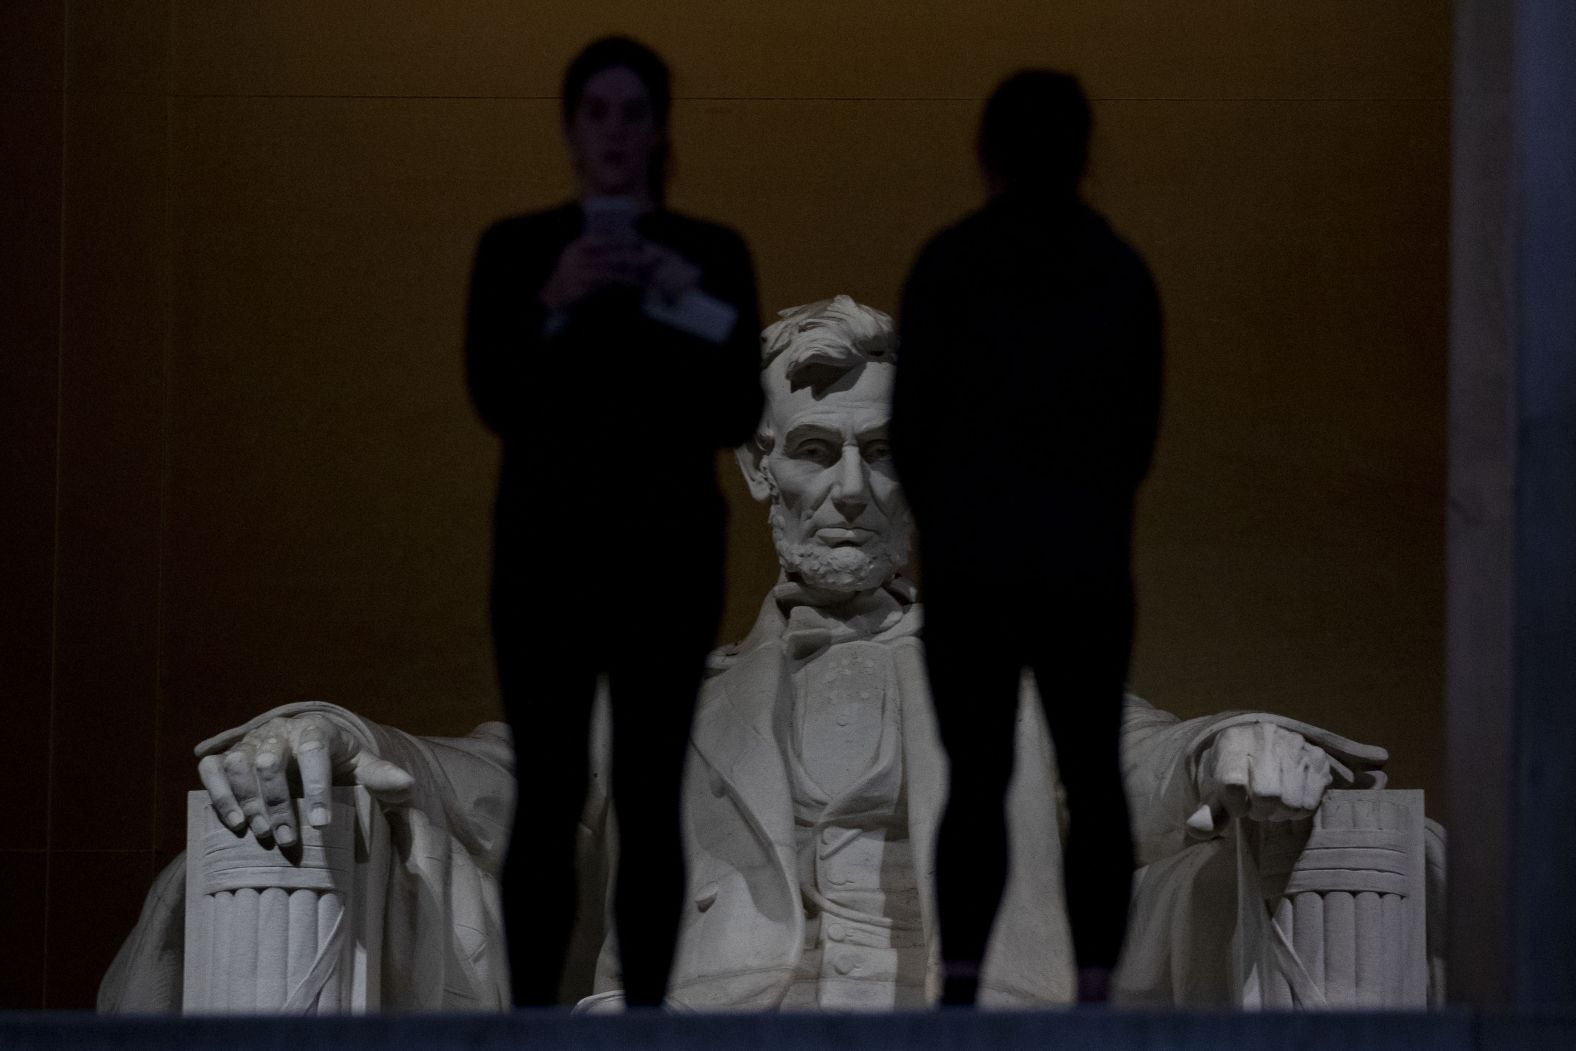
[752, 461]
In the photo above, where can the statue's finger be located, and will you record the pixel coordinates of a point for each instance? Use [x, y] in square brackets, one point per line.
[241, 771]
[1265, 808]
[1294, 788]
[1289, 774]
[274, 785]
[1267, 762]
[317, 774]
[1287, 812]
[1264, 798]
[1266, 784]
[385, 780]
[1293, 792]
[1229, 758]
[1234, 799]
[211, 769]
[1208, 819]
[1320, 778]
[1337, 770]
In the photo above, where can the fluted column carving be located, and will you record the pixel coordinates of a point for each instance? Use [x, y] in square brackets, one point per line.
[298, 932]
[1344, 898]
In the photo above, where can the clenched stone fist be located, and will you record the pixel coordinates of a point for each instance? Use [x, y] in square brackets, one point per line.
[1262, 772]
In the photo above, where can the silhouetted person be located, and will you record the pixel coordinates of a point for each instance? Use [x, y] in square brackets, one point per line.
[1024, 418]
[611, 384]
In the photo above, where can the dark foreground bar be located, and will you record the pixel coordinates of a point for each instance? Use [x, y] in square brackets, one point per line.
[1052, 1031]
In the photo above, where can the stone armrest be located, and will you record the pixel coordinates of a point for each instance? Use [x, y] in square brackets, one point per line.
[1342, 921]
[286, 932]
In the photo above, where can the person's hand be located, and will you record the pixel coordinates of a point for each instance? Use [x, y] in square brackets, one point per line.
[667, 272]
[1262, 772]
[252, 780]
[590, 262]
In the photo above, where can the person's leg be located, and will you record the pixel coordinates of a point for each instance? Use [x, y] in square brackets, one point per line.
[974, 686]
[654, 683]
[1080, 661]
[547, 677]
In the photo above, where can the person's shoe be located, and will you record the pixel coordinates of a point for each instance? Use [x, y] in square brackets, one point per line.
[960, 985]
[1094, 985]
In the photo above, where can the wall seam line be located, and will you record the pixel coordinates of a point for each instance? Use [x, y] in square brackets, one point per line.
[54, 583]
[165, 354]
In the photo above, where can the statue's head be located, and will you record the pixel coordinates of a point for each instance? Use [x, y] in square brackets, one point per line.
[821, 456]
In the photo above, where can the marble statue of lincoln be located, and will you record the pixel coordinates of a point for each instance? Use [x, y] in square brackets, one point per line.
[815, 777]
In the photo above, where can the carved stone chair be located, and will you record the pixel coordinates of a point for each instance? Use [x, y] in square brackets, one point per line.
[1343, 922]
[301, 934]
[1338, 919]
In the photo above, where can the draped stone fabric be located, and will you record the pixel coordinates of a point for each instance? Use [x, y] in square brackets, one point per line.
[749, 921]
[443, 945]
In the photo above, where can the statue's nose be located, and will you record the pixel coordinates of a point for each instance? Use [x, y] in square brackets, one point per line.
[849, 492]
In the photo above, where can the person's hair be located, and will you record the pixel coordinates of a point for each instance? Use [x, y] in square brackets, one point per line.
[1034, 133]
[619, 52]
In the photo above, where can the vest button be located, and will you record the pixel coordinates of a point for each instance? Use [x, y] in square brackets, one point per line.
[836, 932]
[845, 963]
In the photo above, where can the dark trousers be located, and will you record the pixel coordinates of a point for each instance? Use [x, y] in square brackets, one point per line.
[1074, 631]
[557, 627]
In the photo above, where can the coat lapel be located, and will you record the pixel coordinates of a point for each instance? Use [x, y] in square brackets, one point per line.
[733, 734]
[924, 771]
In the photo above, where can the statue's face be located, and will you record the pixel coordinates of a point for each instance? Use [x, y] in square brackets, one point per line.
[838, 516]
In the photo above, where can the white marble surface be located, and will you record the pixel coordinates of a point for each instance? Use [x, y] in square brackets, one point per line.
[815, 781]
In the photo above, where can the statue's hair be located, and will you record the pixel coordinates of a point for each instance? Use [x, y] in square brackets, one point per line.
[824, 341]
[828, 338]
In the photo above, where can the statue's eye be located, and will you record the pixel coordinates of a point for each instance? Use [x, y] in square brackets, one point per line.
[878, 450]
[819, 450]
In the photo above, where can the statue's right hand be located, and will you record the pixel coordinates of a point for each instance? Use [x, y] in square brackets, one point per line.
[253, 779]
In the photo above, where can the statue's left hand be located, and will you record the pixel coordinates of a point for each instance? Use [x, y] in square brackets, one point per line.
[1263, 772]
[249, 779]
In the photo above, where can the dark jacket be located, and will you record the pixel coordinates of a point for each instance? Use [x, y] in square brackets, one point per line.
[1028, 383]
[609, 404]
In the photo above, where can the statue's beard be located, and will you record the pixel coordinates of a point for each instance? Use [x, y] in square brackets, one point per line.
[847, 569]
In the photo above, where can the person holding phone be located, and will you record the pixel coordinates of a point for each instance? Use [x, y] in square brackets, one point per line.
[612, 345]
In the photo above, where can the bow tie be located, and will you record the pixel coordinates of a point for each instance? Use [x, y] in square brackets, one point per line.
[812, 628]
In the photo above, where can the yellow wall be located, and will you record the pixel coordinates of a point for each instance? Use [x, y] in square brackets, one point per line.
[269, 482]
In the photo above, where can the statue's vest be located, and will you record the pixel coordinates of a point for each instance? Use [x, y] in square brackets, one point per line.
[761, 858]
